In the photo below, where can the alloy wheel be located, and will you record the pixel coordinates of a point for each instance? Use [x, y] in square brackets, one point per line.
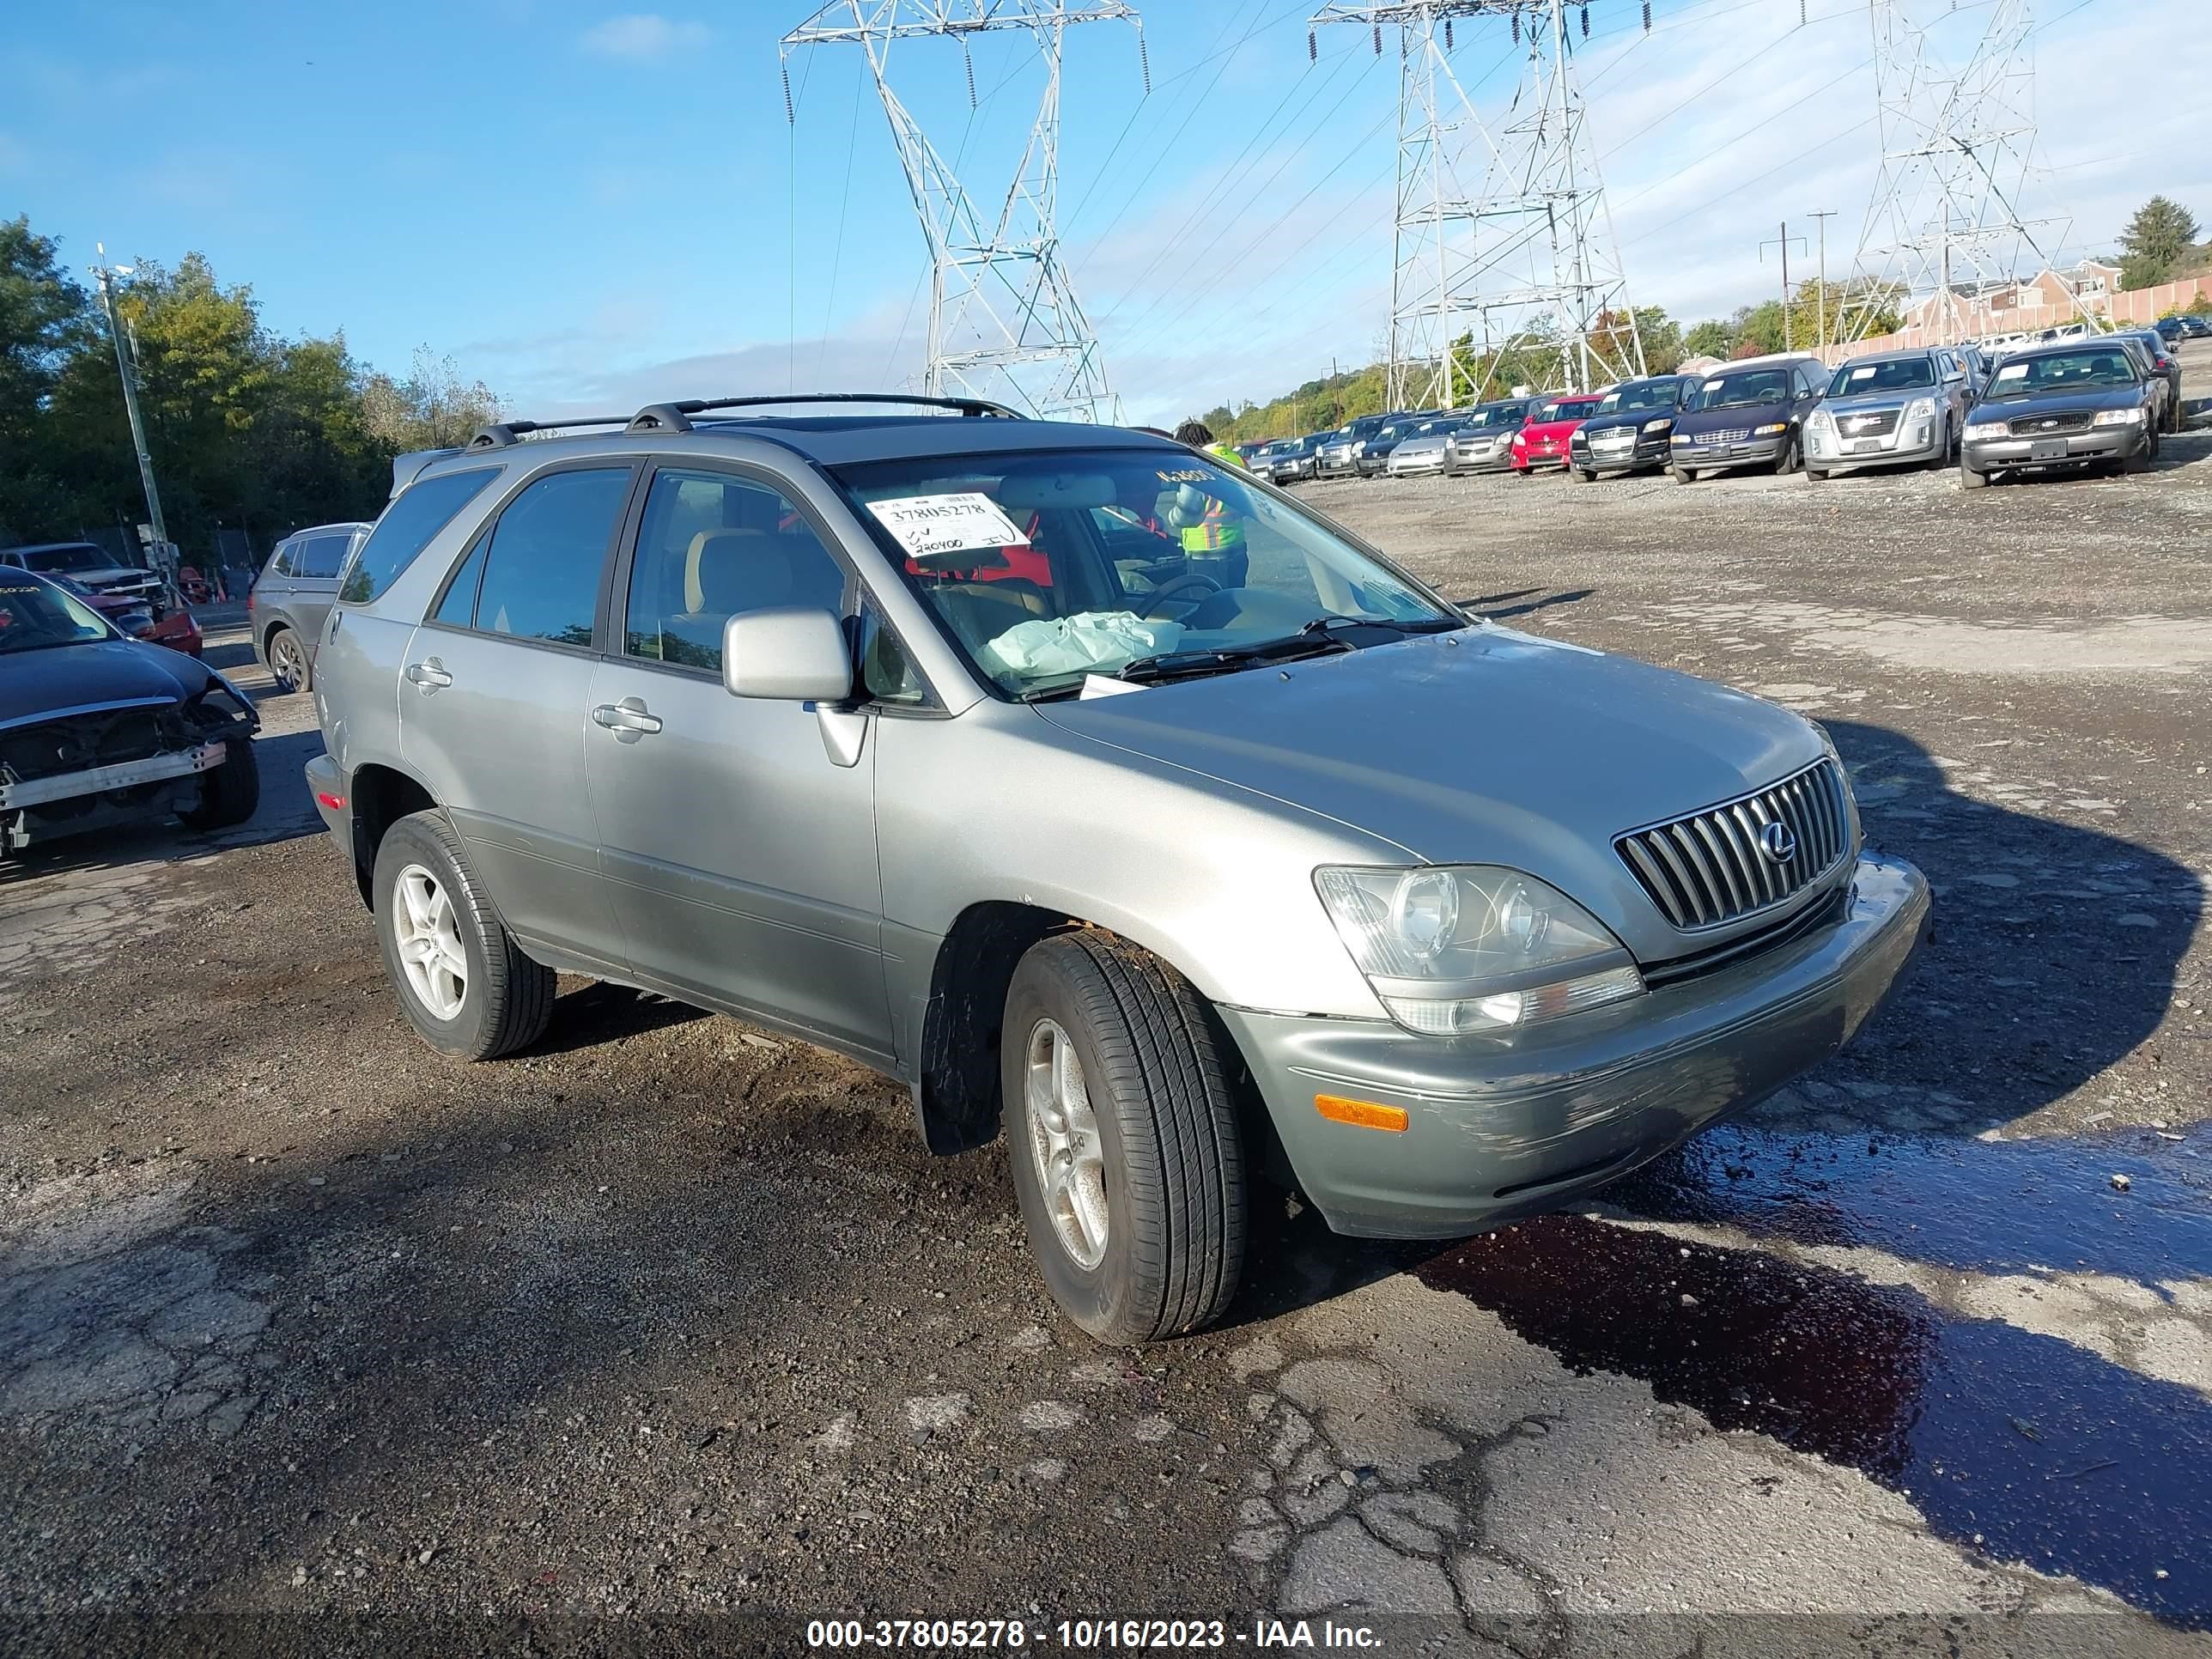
[287, 662]
[428, 937]
[1071, 1164]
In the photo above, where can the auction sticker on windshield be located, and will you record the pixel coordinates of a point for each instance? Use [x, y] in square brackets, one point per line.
[965, 523]
[2013, 371]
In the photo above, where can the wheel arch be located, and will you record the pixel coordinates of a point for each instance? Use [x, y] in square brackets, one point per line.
[955, 1078]
[378, 796]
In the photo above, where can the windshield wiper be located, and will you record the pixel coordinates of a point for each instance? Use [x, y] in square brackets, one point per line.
[1224, 659]
[1336, 627]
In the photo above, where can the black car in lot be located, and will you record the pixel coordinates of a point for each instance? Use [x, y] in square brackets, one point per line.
[2174, 330]
[2165, 362]
[1338, 452]
[1633, 428]
[1750, 413]
[97, 728]
[2061, 406]
[1374, 452]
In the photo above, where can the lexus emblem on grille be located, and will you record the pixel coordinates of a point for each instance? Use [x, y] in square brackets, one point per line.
[1778, 843]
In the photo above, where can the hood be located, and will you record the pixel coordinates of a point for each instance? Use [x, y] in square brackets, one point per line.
[1723, 419]
[1485, 746]
[113, 575]
[1424, 445]
[36, 683]
[2049, 402]
[1537, 431]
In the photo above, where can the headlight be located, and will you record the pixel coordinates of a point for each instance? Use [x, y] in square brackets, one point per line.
[1920, 409]
[1452, 950]
[1658, 426]
[1820, 421]
[1682, 438]
[1773, 429]
[2118, 417]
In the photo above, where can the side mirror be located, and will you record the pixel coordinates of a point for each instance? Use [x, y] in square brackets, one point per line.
[794, 654]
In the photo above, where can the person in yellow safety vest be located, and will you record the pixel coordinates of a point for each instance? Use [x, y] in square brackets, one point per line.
[1210, 531]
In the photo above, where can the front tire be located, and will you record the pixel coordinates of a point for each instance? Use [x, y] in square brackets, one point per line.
[231, 794]
[1122, 1131]
[1680, 475]
[464, 983]
[1970, 479]
[1584, 475]
[1814, 475]
[1786, 462]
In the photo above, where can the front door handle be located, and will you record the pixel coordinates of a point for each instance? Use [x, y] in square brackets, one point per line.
[629, 720]
[428, 675]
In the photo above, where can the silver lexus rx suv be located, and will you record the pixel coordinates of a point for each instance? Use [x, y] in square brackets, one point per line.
[1109, 799]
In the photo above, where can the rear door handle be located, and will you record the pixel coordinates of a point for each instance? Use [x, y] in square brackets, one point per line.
[629, 720]
[429, 674]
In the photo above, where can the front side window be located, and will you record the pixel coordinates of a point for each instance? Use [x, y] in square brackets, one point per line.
[1046, 567]
[711, 546]
[408, 526]
[542, 563]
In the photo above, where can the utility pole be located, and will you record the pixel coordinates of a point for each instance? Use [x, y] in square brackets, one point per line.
[1823, 218]
[127, 368]
[1785, 238]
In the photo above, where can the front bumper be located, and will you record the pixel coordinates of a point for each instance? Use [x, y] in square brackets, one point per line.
[1494, 460]
[2009, 454]
[1331, 466]
[1745, 452]
[1495, 1132]
[102, 779]
[1530, 457]
[1623, 458]
[1840, 452]
[1432, 462]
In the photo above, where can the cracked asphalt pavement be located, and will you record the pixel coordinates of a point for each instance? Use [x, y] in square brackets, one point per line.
[668, 1333]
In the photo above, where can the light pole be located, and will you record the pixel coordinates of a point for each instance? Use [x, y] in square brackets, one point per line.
[125, 366]
[1785, 238]
[1823, 218]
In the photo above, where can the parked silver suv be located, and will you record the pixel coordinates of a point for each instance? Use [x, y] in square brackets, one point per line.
[292, 596]
[1897, 406]
[1101, 794]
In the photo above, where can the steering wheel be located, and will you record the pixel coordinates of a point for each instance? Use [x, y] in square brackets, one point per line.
[1192, 579]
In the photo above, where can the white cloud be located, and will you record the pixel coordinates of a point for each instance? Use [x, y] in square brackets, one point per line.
[642, 36]
[15, 155]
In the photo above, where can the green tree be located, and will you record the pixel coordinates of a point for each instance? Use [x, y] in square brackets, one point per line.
[1710, 338]
[45, 316]
[2157, 240]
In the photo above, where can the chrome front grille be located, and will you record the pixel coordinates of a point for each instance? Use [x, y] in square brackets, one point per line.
[2069, 420]
[1714, 868]
[1734, 434]
[1880, 424]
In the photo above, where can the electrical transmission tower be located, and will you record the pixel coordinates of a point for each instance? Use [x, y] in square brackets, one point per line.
[1002, 314]
[1944, 225]
[1503, 240]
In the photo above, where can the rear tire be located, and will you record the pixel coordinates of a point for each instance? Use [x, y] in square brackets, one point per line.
[1137, 1217]
[288, 661]
[504, 1000]
[231, 794]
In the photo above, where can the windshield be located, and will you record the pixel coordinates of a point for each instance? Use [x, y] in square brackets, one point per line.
[1854, 380]
[1045, 569]
[2091, 368]
[1507, 415]
[1650, 394]
[1565, 409]
[33, 614]
[68, 558]
[1745, 389]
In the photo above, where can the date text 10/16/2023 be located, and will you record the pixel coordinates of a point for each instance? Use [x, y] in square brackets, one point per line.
[1088, 1635]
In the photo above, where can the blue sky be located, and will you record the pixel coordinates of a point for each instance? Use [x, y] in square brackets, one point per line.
[594, 206]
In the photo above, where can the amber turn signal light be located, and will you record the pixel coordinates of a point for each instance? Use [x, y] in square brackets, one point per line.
[1361, 1113]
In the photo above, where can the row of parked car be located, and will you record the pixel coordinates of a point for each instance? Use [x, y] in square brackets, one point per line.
[2068, 402]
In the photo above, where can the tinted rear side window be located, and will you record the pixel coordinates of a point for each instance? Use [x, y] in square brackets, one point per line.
[406, 528]
[321, 555]
[541, 576]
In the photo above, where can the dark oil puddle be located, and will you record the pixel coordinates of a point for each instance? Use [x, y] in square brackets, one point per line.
[1980, 1206]
[2022, 1446]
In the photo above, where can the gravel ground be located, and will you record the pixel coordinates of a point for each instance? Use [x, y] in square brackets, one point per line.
[667, 1335]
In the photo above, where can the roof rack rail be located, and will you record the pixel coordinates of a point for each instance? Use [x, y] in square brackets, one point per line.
[503, 433]
[676, 417]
